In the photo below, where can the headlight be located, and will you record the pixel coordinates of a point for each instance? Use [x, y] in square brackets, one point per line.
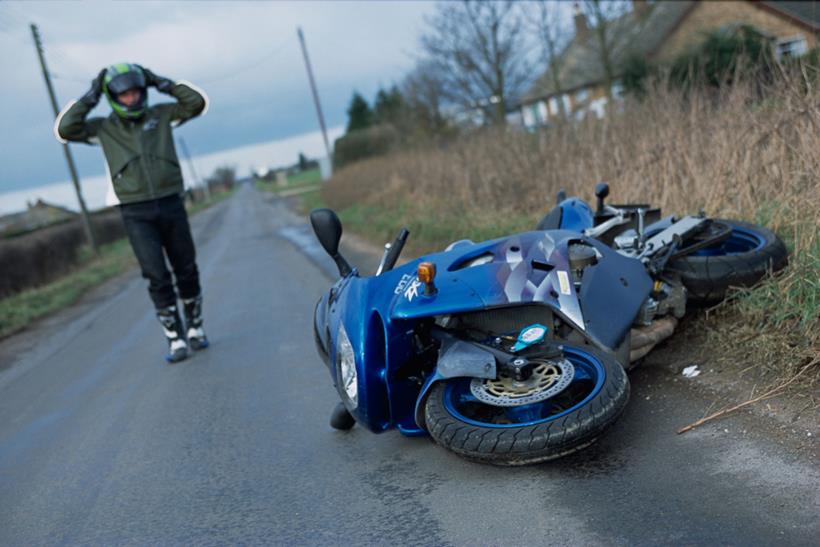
[347, 368]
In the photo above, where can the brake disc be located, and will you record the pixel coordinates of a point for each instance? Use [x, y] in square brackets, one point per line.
[548, 378]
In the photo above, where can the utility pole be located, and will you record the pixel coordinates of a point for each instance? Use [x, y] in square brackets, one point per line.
[197, 180]
[315, 93]
[68, 157]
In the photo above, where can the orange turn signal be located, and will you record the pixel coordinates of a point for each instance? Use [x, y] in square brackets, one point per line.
[426, 272]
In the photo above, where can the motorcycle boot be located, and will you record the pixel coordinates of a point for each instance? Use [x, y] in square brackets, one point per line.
[193, 320]
[172, 325]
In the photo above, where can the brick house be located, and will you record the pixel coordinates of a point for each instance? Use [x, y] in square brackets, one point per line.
[658, 32]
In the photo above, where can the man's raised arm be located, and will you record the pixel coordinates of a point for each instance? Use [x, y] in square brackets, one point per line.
[71, 123]
[191, 102]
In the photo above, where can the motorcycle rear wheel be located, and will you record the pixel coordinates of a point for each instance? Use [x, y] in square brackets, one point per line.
[533, 433]
[744, 258]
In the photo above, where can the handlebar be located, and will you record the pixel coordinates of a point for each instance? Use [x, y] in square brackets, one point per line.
[392, 252]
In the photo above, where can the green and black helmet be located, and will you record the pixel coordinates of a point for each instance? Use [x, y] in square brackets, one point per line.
[120, 78]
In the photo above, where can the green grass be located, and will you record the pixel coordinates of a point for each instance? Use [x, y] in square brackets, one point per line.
[791, 298]
[301, 180]
[311, 200]
[427, 234]
[311, 176]
[381, 224]
[19, 310]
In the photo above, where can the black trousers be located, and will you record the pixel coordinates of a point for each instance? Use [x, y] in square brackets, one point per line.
[157, 228]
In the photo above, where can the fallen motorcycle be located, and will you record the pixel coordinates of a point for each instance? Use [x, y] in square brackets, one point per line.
[514, 351]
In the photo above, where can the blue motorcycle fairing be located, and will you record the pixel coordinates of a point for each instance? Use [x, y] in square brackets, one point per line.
[533, 267]
[367, 337]
[498, 273]
[381, 345]
[612, 293]
[576, 215]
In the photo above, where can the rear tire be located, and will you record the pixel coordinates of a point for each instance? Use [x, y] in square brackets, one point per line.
[535, 441]
[742, 260]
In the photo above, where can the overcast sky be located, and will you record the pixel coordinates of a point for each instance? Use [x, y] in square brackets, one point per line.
[246, 57]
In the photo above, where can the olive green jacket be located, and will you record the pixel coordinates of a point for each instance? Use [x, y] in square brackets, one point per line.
[142, 160]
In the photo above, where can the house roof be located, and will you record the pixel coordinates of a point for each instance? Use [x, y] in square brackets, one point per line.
[630, 34]
[44, 205]
[807, 13]
[642, 36]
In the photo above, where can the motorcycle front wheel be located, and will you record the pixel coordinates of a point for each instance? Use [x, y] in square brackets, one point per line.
[591, 397]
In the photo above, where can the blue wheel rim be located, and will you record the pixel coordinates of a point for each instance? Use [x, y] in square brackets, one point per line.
[739, 241]
[587, 382]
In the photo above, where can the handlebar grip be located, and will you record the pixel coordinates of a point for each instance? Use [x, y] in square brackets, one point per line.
[395, 250]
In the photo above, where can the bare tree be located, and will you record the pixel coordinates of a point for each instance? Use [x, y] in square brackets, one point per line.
[546, 23]
[423, 90]
[608, 40]
[479, 48]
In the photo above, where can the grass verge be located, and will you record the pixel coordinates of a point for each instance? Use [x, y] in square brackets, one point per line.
[729, 152]
[18, 311]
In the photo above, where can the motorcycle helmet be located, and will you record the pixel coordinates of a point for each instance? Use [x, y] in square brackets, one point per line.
[120, 78]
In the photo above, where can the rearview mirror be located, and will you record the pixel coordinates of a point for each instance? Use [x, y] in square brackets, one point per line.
[328, 229]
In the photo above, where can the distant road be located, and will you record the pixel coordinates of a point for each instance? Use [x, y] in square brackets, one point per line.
[103, 443]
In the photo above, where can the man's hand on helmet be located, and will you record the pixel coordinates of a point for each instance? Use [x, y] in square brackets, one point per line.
[92, 96]
[163, 85]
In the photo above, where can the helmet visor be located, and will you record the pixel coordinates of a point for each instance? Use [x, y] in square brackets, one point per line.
[128, 80]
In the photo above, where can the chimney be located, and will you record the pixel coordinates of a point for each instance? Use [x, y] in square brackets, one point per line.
[581, 29]
[640, 7]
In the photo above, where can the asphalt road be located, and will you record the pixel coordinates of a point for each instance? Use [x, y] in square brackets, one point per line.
[102, 442]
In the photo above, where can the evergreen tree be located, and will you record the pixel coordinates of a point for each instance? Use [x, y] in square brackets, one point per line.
[388, 106]
[716, 61]
[359, 115]
[635, 71]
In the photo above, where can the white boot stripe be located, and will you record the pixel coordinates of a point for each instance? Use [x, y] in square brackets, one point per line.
[178, 344]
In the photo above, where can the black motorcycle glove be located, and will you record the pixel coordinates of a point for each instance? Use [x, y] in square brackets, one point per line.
[92, 96]
[163, 85]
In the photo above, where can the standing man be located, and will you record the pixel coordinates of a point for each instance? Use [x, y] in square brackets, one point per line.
[147, 180]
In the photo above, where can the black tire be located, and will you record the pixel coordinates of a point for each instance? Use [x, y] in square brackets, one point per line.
[341, 419]
[707, 277]
[529, 444]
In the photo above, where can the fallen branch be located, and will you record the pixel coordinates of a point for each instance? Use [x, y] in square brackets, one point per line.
[769, 394]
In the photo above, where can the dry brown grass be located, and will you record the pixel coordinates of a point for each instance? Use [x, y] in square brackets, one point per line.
[733, 155]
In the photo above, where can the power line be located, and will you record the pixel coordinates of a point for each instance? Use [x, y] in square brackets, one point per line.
[58, 76]
[273, 53]
[270, 55]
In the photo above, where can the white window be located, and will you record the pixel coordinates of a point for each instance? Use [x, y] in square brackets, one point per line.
[617, 90]
[791, 47]
[528, 114]
[598, 107]
[543, 115]
[581, 95]
[554, 106]
[565, 102]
